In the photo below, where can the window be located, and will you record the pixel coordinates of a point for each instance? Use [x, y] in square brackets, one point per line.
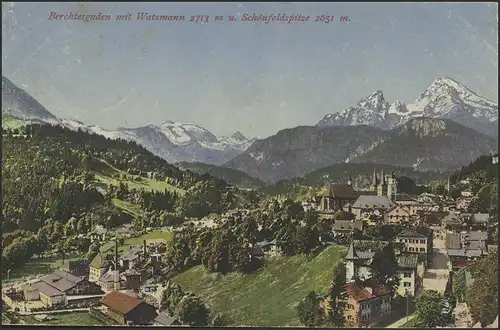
[407, 284]
[422, 241]
[350, 306]
[349, 317]
[412, 249]
[407, 275]
[422, 249]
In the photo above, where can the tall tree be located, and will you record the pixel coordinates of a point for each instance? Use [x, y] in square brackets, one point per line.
[308, 310]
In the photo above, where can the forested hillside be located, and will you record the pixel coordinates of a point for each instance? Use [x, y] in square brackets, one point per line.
[58, 183]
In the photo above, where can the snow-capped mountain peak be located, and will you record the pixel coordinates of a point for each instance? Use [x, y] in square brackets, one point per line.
[444, 98]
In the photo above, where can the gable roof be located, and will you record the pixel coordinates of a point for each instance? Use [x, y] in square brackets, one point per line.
[404, 198]
[48, 290]
[61, 280]
[120, 302]
[453, 241]
[380, 202]
[132, 254]
[340, 190]
[351, 254]
[421, 232]
[408, 261]
[361, 293]
[165, 320]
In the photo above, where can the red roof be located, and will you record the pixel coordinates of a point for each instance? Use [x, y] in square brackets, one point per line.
[360, 293]
[120, 302]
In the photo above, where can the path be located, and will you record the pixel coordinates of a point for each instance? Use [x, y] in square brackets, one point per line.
[462, 316]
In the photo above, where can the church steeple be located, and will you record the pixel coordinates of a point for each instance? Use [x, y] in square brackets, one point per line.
[382, 179]
[351, 254]
[374, 180]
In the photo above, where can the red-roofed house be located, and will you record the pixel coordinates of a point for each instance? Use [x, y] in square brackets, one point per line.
[128, 310]
[366, 305]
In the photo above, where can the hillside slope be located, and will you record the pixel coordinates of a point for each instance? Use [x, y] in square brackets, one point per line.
[234, 177]
[267, 298]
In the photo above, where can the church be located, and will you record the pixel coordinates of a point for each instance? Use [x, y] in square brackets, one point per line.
[384, 185]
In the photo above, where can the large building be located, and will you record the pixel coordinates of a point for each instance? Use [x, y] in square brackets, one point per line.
[128, 310]
[384, 185]
[337, 196]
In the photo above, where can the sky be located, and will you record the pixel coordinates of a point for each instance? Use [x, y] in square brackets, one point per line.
[242, 76]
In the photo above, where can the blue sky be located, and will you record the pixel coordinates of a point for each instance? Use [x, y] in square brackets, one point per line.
[252, 77]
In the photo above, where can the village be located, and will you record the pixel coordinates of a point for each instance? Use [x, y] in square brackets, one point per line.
[439, 238]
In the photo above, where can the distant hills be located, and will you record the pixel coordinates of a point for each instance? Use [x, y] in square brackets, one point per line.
[421, 143]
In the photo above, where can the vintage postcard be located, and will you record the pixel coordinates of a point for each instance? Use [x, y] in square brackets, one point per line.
[254, 164]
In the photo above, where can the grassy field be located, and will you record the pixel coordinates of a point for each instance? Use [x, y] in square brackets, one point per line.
[267, 298]
[39, 267]
[65, 319]
[130, 208]
[158, 235]
[105, 171]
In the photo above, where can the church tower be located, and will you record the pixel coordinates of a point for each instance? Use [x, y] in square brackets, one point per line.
[392, 187]
[373, 186]
[350, 263]
[382, 186]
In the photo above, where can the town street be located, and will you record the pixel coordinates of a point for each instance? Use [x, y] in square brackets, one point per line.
[438, 271]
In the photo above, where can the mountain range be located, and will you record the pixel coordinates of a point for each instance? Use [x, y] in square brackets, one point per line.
[175, 142]
[444, 98]
[447, 127]
[421, 143]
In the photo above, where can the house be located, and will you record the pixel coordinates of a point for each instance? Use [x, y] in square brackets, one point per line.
[345, 227]
[99, 234]
[149, 288]
[50, 296]
[404, 199]
[418, 240]
[398, 214]
[409, 279]
[70, 284]
[98, 267]
[371, 207]
[268, 246]
[128, 310]
[131, 257]
[451, 222]
[163, 320]
[466, 246]
[111, 280]
[466, 194]
[336, 196]
[475, 221]
[360, 256]
[131, 279]
[367, 304]
[79, 268]
[256, 252]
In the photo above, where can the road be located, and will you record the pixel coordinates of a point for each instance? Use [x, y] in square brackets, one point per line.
[462, 317]
[438, 271]
[56, 311]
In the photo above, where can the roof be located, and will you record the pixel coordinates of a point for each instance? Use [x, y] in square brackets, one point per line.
[361, 293]
[347, 224]
[342, 215]
[108, 277]
[464, 253]
[477, 235]
[257, 251]
[99, 230]
[132, 254]
[408, 261]
[165, 320]
[404, 197]
[360, 249]
[340, 190]
[452, 219]
[351, 254]
[265, 243]
[453, 241]
[365, 201]
[61, 280]
[419, 232]
[48, 290]
[492, 248]
[120, 302]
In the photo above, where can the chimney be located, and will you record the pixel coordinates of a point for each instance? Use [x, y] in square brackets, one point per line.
[144, 247]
